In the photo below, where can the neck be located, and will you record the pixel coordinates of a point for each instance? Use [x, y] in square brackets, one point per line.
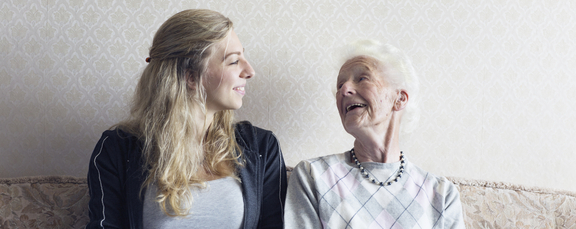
[379, 144]
[208, 120]
[201, 125]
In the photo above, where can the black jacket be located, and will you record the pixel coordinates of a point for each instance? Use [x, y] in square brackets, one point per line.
[115, 176]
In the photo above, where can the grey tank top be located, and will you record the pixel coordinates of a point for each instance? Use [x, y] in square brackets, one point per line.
[219, 205]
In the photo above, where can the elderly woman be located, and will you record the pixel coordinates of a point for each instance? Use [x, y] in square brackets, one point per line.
[372, 185]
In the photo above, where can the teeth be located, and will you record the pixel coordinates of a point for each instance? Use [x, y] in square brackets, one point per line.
[351, 106]
[238, 88]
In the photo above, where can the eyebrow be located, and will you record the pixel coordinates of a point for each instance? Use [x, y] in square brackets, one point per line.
[232, 53]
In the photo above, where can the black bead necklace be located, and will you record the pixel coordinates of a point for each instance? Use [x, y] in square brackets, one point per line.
[365, 173]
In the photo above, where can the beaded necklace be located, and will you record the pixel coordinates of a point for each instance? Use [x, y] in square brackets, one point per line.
[365, 173]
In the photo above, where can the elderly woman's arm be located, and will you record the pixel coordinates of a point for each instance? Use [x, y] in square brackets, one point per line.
[453, 212]
[301, 200]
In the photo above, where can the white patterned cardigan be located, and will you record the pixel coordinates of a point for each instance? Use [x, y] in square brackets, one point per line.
[330, 192]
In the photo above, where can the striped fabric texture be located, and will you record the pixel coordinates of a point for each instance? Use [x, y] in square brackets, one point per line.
[346, 199]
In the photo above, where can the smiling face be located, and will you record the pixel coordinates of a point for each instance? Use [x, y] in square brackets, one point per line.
[364, 98]
[226, 75]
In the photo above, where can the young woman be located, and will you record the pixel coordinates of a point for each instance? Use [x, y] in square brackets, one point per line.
[179, 161]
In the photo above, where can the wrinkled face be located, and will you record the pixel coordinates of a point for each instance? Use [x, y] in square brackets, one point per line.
[226, 77]
[364, 97]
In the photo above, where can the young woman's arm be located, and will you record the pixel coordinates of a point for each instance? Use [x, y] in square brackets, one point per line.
[107, 182]
[274, 187]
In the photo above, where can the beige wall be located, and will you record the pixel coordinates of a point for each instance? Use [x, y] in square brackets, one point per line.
[497, 78]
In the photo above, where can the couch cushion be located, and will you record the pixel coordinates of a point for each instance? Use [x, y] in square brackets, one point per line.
[43, 202]
[502, 205]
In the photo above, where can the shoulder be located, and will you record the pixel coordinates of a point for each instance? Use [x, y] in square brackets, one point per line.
[118, 135]
[120, 138]
[258, 144]
[245, 129]
[320, 164]
[440, 184]
[251, 137]
[327, 160]
[116, 143]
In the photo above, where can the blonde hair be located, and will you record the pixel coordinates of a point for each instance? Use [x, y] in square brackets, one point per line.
[392, 57]
[168, 103]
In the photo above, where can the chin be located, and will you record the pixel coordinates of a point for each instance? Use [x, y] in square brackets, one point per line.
[354, 123]
[237, 107]
[349, 125]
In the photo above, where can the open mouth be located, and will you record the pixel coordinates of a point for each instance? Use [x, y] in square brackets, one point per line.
[239, 90]
[354, 106]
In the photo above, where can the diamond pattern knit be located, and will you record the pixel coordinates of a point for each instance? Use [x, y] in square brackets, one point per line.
[330, 192]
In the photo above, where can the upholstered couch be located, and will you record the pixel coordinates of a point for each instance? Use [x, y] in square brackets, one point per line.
[61, 202]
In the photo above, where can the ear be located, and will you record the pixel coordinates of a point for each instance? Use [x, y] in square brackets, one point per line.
[401, 100]
[191, 82]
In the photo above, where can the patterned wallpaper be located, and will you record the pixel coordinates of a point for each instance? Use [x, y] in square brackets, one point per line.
[497, 78]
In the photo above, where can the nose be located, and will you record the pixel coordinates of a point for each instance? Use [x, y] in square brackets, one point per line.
[248, 71]
[347, 88]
